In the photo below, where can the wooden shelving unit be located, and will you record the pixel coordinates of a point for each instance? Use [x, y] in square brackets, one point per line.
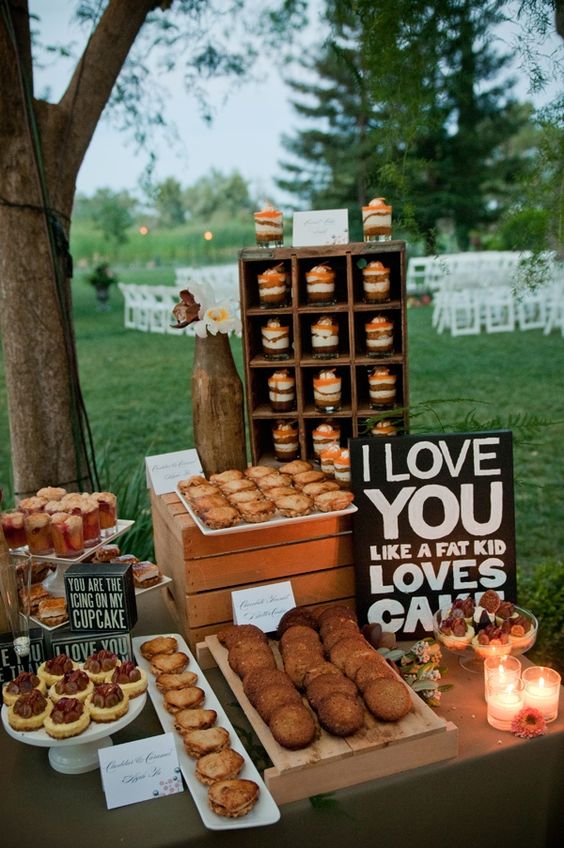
[351, 312]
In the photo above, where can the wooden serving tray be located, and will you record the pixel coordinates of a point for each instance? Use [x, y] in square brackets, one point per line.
[379, 749]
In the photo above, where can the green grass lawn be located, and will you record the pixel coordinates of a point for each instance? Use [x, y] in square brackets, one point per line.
[137, 391]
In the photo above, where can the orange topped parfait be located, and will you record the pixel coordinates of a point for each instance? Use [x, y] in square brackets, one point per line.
[273, 287]
[376, 282]
[379, 335]
[325, 434]
[269, 227]
[382, 387]
[342, 466]
[327, 459]
[377, 220]
[320, 283]
[327, 391]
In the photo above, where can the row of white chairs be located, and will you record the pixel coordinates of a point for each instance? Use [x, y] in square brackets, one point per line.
[149, 308]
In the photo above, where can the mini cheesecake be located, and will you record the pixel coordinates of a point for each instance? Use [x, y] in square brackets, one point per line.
[377, 220]
[376, 282]
[273, 287]
[73, 684]
[131, 679]
[269, 226]
[107, 702]
[25, 682]
[342, 466]
[29, 711]
[379, 336]
[325, 434]
[285, 440]
[382, 387]
[99, 664]
[327, 391]
[275, 339]
[320, 284]
[282, 391]
[325, 338]
[69, 717]
[54, 669]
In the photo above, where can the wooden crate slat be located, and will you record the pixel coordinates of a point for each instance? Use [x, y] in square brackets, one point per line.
[209, 607]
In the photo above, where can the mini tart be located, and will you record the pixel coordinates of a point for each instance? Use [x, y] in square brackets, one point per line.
[107, 702]
[53, 670]
[20, 685]
[130, 678]
[75, 685]
[69, 717]
[98, 665]
[29, 711]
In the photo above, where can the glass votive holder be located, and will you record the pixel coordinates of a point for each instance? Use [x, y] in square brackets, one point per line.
[504, 701]
[542, 690]
[501, 669]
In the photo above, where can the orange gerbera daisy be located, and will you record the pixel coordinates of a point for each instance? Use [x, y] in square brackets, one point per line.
[528, 723]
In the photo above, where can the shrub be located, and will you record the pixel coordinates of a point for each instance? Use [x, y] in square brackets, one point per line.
[542, 591]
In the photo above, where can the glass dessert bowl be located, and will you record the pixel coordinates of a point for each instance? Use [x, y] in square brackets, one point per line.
[475, 633]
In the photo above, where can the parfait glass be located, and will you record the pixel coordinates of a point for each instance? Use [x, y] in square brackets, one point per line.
[15, 584]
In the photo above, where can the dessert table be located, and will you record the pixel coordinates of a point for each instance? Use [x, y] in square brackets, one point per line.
[499, 790]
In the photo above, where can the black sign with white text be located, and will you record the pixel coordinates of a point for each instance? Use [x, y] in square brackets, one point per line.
[435, 521]
[78, 646]
[100, 597]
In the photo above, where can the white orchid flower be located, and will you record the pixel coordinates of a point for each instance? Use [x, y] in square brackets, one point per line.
[217, 319]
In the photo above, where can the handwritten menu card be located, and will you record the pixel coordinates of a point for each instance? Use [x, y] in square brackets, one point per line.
[166, 469]
[329, 226]
[263, 606]
[141, 770]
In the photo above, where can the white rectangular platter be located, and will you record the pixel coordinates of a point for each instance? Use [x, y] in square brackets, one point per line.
[245, 526]
[265, 811]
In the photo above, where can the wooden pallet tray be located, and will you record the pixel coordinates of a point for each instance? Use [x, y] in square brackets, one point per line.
[379, 749]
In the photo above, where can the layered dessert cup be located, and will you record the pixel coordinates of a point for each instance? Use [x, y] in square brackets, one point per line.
[320, 284]
[87, 507]
[282, 391]
[269, 227]
[273, 287]
[376, 282]
[275, 339]
[38, 534]
[327, 391]
[13, 526]
[67, 534]
[327, 459]
[325, 434]
[325, 338]
[381, 387]
[384, 428]
[342, 467]
[377, 220]
[285, 438]
[107, 509]
[31, 505]
[379, 336]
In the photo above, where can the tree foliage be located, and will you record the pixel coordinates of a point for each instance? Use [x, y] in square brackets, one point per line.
[169, 203]
[218, 194]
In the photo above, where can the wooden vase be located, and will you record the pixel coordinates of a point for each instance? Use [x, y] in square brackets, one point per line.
[217, 406]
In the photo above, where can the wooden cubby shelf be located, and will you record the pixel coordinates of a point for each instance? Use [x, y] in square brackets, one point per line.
[352, 363]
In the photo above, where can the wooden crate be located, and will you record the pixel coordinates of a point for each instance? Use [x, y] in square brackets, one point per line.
[379, 749]
[351, 313]
[316, 556]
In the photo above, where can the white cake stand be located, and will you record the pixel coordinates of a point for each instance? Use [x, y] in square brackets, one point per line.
[79, 753]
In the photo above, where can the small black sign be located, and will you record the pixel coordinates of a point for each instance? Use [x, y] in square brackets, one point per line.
[100, 597]
[78, 646]
[11, 665]
[435, 521]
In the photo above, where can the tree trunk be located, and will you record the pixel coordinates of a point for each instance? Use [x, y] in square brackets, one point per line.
[217, 406]
[35, 312]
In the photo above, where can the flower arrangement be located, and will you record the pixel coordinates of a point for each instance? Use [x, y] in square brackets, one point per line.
[420, 667]
[198, 307]
[528, 723]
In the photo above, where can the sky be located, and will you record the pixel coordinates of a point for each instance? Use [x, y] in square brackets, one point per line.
[245, 134]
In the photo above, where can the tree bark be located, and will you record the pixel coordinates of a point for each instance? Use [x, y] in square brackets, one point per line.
[35, 314]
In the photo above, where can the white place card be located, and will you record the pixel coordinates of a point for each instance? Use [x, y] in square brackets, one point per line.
[328, 226]
[263, 606]
[166, 469]
[141, 770]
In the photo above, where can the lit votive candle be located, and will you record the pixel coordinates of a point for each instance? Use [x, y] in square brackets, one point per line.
[505, 669]
[504, 702]
[542, 690]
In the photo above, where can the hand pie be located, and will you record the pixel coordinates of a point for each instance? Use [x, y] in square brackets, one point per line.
[169, 663]
[329, 501]
[158, 645]
[220, 765]
[200, 742]
[166, 682]
[233, 798]
[183, 699]
[292, 506]
[195, 719]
